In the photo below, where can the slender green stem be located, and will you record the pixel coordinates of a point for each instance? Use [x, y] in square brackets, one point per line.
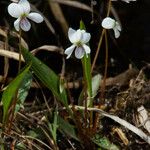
[86, 63]
[19, 66]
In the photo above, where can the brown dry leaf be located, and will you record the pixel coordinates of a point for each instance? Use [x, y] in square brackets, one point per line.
[9, 54]
[15, 55]
[51, 48]
[59, 16]
[122, 135]
[23, 42]
[122, 122]
[74, 4]
[143, 118]
[2, 46]
[3, 33]
[12, 33]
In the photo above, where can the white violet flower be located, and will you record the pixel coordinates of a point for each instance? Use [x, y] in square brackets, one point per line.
[21, 11]
[109, 23]
[78, 38]
[127, 1]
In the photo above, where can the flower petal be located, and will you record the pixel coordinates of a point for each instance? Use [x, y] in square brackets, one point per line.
[85, 37]
[118, 26]
[74, 36]
[117, 33]
[128, 1]
[108, 23]
[79, 52]
[17, 24]
[36, 17]
[78, 35]
[25, 24]
[86, 49]
[69, 50]
[15, 10]
[71, 33]
[25, 6]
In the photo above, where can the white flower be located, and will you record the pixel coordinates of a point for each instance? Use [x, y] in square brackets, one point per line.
[127, 1]
[109, 23]
[21, 11]
[78, 38]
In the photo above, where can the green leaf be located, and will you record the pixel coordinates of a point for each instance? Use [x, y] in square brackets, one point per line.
[21, 146]
[54, 126]
[104, 142]
[82, 25]
[86, 63]
[61, 85]
[96, 80]
[11, 91]
[67, 128]
[46, 75]
[23, 90]
[32, 133]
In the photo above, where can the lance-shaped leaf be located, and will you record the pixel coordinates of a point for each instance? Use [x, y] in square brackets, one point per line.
[11, 91]
[23, 90]
[67, 128]
[47, 76]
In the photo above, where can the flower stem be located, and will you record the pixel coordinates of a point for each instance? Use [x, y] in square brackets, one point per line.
[101, 38]
[106, 59]
[19, 66]
[105, 71]
[98, 49]
[106, 65]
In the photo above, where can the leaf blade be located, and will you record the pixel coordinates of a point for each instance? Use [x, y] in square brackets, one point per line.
[10, 92]
[46, 75]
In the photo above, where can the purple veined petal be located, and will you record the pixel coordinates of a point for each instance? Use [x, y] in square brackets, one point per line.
[108, 23]
[72, 35]
[25, 24]
[25, 6]
[117, 33]
[85, 37]
[36, 17]
[79, 52]
[17, 24]
[69, 50]
[15, 10]
[86, 49]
